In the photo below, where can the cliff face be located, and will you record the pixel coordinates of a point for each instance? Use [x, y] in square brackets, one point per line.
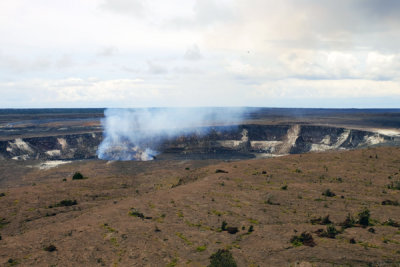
[230, 141]
[74, 146]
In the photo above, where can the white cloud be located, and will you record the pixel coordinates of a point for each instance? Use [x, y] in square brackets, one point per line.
[242, 53]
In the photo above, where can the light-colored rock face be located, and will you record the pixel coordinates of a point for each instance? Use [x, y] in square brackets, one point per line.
[244, 140]
[326, 143]
[63, 143]
[53, 153]
[19, 144]
[290, 140]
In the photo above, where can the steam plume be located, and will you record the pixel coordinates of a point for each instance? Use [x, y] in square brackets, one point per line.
[135, 134]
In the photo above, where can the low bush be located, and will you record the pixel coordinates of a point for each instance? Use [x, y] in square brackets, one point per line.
[64, 203]
[136, 213]
[251, 229]
[50, 248]
[77, 176]
[330, 232]
[220, 171]
[328, 193]
[232, 230]
[364, 217]
[391, 222]
[348, 222]
[390, 202]
[320, 220]
[303, 239]
[222, 258]
[395, 185]
[223, 225]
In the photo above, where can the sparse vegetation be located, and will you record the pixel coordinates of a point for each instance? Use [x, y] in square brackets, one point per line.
[348, 222]
[64, 203]
[201, 248]
[3, 222]
[304, 238]
[222, 258]
[391, 222]
[321, 220]
[12, 262]
[136, 213]
[330, 232]
[390, 202]
[184, 238]
[395, 185]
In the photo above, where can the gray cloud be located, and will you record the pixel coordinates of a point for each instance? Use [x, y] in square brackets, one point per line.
[125, 7]
[155, 68]
[108, 51]
[192, 53]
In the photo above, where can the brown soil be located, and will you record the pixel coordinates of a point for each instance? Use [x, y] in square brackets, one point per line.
[184, 203]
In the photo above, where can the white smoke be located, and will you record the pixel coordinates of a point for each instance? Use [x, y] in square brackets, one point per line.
[134, 134]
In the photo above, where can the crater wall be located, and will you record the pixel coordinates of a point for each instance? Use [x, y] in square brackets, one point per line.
[238, 141]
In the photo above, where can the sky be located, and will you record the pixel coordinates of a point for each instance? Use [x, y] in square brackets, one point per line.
[152, 53]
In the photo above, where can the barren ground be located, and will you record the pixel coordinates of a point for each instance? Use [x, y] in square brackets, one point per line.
[185, 202]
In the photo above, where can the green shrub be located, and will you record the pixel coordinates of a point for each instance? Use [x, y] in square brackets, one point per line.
[391, 222]
[330, 232]
[303, 239]
[395, 185]
[348, 222]
[77, 176]
[222, 258]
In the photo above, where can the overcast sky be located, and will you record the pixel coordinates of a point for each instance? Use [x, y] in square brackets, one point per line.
[140, 53]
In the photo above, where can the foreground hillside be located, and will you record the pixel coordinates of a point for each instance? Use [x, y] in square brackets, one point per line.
[178, 213]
